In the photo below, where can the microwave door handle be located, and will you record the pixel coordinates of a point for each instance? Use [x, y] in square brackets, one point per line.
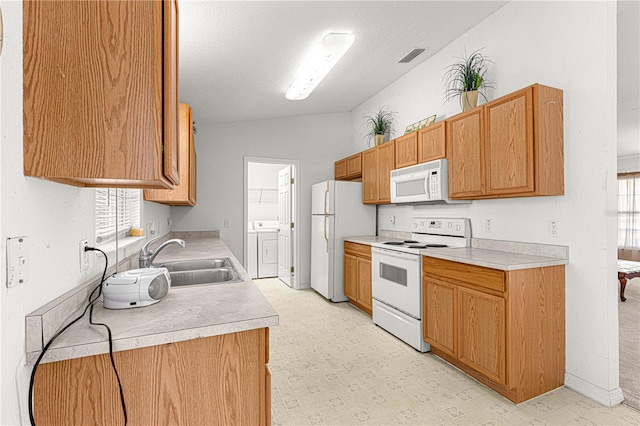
[426, 186]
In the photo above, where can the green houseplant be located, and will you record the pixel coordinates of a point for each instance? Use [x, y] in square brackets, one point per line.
[380, 125]
[466, 78]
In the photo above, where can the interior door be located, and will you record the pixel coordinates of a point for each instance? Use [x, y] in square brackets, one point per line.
[285, 226]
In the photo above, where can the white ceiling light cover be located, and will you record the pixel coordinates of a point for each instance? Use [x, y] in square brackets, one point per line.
[323, 58]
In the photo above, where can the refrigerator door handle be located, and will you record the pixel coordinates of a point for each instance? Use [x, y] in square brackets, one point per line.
[326, 193]
[326, 240]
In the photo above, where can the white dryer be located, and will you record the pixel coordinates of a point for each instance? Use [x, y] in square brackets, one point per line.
[267, 231]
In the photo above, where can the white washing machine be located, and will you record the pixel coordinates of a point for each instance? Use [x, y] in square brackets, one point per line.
[267, 231]
[252, 251]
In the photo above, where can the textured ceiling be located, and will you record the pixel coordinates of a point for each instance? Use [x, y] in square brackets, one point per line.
[237, 59]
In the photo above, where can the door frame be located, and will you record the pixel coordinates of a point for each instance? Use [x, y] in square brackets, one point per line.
[296, 208]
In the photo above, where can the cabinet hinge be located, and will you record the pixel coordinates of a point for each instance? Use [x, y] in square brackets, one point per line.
[292, 269]
[291, 181]
[291, 225]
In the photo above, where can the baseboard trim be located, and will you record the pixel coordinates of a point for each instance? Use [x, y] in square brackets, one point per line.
[605, 397]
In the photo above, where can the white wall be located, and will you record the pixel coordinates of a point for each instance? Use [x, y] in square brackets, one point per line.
[316, 141]
[55, 217]
[551, 43]
[629, 164]
[263, 191]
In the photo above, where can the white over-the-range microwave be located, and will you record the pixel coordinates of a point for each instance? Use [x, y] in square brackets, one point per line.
[425, 183]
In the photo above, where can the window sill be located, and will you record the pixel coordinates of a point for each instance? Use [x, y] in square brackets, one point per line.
[124, 244]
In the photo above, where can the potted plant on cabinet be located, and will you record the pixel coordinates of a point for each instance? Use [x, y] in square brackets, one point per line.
[380, 125]
[466, 79]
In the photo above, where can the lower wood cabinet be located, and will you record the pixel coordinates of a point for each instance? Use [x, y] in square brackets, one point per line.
[504, 328]
[222, 380]
[357, 275]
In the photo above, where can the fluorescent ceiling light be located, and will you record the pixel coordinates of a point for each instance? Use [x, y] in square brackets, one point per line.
[324, 57]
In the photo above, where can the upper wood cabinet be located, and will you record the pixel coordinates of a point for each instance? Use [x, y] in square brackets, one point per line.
[101, 92]
[349, 168]
[406, 150]
[431, 142]
[377, 164]
[185, 193]
[510, 147]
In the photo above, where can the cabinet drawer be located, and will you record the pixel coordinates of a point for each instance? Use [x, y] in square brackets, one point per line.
[474, 276]
[360, 250]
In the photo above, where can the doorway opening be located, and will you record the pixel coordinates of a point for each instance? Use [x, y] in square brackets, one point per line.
[271, 197]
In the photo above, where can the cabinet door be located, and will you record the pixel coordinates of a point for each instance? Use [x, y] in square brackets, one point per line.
[170, 101]
[509, 161]
[386, 153]
[370, 185]
[406, 150]
[364, 283]
[466, 154]
[439, 310]
[432, 143]
[340, 169]
[482, 333]
[192, 162]
[351, 276]
[354, 166]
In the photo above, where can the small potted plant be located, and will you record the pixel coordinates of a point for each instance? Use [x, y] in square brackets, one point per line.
[380, 125]
[467, 78]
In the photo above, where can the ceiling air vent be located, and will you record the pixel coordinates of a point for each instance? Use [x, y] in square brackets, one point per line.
[410, 56]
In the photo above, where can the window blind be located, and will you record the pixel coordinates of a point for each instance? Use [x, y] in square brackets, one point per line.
[117, 210]
[629, 211]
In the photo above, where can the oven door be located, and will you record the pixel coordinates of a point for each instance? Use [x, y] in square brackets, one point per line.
[395, 280]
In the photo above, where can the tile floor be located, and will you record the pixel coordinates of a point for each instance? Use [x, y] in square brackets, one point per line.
[331, 365]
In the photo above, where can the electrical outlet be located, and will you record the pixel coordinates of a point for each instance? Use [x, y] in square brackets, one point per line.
[84, 255]
[227, 223]
[554, 228]
[488, 225]
[392, 219]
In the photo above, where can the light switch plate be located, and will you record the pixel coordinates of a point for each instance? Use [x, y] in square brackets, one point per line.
[17, 261]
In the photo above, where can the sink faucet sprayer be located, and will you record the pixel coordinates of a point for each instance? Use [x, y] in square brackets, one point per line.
[147, 256]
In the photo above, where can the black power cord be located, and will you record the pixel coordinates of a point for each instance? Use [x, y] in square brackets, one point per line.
[92, 300]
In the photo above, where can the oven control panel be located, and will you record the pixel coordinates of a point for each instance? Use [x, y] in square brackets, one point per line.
[456, 227]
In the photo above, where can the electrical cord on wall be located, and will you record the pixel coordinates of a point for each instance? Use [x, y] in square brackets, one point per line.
[89, 307]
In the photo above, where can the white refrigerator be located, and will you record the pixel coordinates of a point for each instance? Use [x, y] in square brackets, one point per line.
[336, 212]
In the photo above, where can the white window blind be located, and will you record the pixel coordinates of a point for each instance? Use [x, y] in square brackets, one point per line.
[117, 210]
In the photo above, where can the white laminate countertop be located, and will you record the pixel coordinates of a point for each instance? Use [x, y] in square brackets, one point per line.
[185, 313]
[496, 259]
[368, 240]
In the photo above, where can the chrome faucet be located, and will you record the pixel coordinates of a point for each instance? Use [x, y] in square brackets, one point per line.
[147, 256]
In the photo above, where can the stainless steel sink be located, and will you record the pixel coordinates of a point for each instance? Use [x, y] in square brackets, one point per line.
[203, 276]
[195, 265]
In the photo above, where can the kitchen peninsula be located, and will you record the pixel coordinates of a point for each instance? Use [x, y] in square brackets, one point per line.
[200, 355]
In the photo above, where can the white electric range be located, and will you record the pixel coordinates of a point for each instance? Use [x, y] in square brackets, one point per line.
[397, 272]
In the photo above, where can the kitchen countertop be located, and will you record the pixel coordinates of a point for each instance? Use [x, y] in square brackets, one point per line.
[185, 313]
[495, 259]
[368, 240]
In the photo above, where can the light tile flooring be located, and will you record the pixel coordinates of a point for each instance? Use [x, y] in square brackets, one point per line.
[331, 365]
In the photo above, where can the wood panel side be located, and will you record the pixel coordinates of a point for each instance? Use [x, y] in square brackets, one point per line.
[171, 137]
[536, 330]
[214, 380]
[549, 140]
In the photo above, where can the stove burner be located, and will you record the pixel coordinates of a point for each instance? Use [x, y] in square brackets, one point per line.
[436, 245]
[394, 243]
[410, 242]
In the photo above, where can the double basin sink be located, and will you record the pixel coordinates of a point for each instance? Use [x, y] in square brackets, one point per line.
[198, 272]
